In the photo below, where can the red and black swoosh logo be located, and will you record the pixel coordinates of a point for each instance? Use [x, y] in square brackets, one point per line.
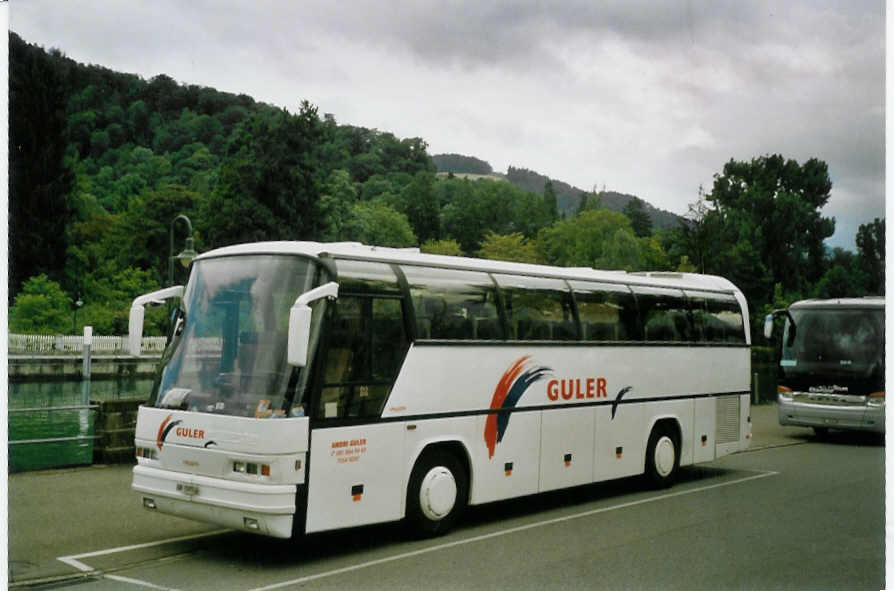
[164, 429]
[509, 390]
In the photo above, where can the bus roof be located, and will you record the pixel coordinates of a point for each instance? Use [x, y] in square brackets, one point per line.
[412, 256]
[864, 302]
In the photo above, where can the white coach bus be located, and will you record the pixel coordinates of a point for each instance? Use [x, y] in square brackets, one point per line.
[309, 386]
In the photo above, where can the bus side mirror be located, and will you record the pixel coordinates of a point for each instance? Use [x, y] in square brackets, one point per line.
[299, 322]
[792, 333]
[768, 326]
[137, 313]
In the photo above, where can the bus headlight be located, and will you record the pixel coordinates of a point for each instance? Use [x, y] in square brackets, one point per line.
[251, 468]
[876, 399]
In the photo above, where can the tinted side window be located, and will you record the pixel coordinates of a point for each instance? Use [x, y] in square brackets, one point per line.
[538, 309]
[453, 305]
[716, 318]
[664, 314]
[607, 312]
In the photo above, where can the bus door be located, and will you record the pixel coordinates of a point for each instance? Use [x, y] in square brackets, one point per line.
[354, 478]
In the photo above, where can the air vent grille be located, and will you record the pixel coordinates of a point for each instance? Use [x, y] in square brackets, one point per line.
[727, 419]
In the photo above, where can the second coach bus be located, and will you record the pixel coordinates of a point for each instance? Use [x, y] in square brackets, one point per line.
[831, 364]
[308, 386]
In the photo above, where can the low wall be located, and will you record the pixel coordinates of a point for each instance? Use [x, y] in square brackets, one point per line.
[116, 422]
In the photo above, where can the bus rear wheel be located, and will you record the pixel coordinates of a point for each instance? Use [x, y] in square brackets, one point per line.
[662, 457]
[437, 493]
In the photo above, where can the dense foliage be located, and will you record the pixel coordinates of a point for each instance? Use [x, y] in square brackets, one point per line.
[101, 163]
[457, 163]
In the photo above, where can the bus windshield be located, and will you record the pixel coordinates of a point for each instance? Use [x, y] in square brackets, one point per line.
[834, 342]
[228, 350]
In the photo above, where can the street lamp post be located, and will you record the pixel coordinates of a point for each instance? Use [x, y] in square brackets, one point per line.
[74, 320]
[187, 254]
[185, 257]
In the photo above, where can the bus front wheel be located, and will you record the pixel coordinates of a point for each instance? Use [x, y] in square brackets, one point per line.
[662, 457]
[437, 494]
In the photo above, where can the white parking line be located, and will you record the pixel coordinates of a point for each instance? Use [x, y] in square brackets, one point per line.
[138, 582]
[74, 562]
[73, 559]
[504, 532]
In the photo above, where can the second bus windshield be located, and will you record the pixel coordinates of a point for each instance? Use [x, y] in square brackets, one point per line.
[845, 342]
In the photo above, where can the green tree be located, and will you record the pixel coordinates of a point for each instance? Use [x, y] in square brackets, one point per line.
[508, 247]
[472, 209]
[138, 121]
[549, 198]
[765, 225]
[836, 283]
[336, 204]
[652, 255]
[40, 176]
[595, 238]
[592, 200]
[100, 141]
[639, 217]
[871, 254]
[107, 302]
[621, 251]
[445, 247]
[379, 225]
[685, 266]
[420, 204]
[147, 227]
[231, 215]
[269, 184]
[41, 307]
[693, 239]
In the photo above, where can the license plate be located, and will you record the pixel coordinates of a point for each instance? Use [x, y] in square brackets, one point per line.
[187, 488]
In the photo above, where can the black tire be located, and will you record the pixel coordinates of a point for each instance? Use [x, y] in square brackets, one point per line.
[662, 457]
[821, 432]
[437, 493]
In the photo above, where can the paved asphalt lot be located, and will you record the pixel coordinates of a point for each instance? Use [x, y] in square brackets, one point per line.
[793, 512]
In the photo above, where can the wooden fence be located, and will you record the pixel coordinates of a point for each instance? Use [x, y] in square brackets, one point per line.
[41, 344]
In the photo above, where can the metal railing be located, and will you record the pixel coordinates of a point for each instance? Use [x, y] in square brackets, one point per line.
[84, 420]
[68, 344]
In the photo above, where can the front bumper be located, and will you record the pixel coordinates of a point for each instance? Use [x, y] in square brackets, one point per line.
[259, 508]
[828, 416]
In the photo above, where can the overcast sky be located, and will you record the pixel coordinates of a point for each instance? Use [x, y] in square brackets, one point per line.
[648, 98]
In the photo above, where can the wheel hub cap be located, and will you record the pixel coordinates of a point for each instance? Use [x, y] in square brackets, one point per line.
[437, 494]
[665, 456]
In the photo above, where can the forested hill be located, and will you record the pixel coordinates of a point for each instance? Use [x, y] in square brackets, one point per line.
[568, 197]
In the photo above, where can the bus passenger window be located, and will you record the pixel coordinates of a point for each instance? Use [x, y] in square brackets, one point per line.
[717, 318]
[607, 312]
[664, 313]
[538, 309]
[453, 305]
